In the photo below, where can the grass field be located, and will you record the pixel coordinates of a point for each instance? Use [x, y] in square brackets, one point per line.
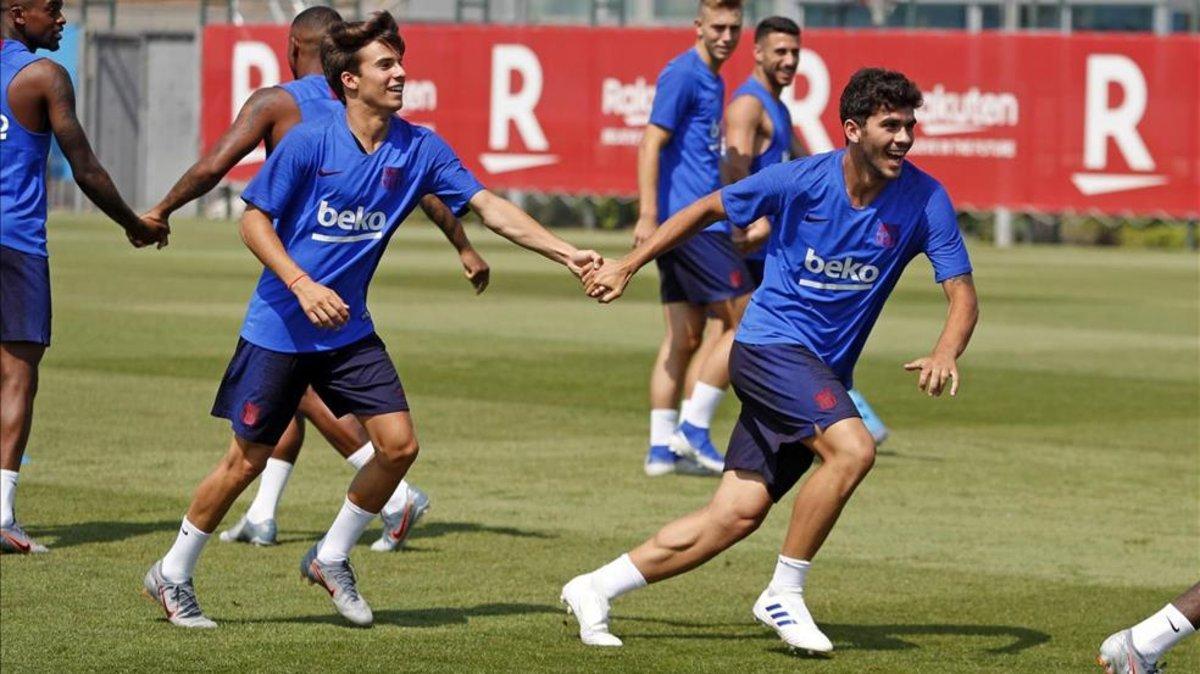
[1008, 530]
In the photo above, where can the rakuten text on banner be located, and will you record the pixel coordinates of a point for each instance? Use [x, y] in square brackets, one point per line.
[1043, 122]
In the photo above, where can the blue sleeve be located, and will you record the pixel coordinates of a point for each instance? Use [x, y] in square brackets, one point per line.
[448, 179]
[672, 99]
[756, 195]
[286, 171]
[944, 244]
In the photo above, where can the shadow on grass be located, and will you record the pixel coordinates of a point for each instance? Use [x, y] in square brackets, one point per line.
[84, 533]
[421, 617]
[431, 530]
[856, 637]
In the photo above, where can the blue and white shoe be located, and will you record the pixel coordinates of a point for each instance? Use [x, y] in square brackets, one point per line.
[255, 533]
[874, 424]
[692, 442]
[660, 460]
[786, 613]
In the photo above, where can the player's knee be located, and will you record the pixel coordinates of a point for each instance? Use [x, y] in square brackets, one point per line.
[684, 343]
[737, 522]
[397, 455]
[857, 456]
[19, 385]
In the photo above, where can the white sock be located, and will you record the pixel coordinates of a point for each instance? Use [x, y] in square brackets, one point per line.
[703, 405]
[1157, 634]
[398, 500]
[345, 532]
[617, 577]
[790, 574]
[180, 560]
[362, 456]
[8, 496]
[662, 426]
[270, 487]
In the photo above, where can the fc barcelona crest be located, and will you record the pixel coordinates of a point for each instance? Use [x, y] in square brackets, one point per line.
[391, 177]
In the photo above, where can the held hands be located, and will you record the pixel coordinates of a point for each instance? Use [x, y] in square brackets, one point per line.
[583, 263]
[935, 369]
[750, 239]
[321, 304]
[152, 228]
[475, 269]
[608, 282]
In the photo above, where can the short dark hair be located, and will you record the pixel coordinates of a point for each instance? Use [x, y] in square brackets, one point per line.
[775, 24]
[339, 49]
[319, 20]
[872, 89]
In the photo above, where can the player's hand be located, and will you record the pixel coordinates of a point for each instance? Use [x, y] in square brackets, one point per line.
[608, 282]
[584, 263]
[475, 269]
[752, 238]
[152, 229]
[323, 306]
[643, 229]
[935, 370]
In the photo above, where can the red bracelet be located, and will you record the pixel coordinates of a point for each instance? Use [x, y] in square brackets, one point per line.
[296, 280]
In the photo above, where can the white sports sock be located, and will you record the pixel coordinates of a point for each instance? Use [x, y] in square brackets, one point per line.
[617, 577]
[270, 488]
[703, 405]
[398, 500]
[1157, 634]
[345, 532]
[790, 574]
[360, 458]
[180, 560]
[8, 496]
[662, 426]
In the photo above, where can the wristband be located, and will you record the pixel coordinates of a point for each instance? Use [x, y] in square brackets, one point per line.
[296, 280]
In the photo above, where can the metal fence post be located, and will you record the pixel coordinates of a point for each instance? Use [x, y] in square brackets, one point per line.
[1002, 234]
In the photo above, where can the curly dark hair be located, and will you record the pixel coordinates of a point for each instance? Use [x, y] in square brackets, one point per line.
[874, 89]
[339, 49]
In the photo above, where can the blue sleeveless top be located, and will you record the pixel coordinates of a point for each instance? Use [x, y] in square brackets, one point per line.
[313, 97]
[781, 137]
[23, 156]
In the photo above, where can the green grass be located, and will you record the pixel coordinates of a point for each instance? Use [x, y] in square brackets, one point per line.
[1008, 530]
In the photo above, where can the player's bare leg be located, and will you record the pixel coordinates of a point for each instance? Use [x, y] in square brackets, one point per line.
[19, 363]
[685, 326]
[257, 526]
[692, 438]
[738, 507]
[847, 453]
[1139, 649]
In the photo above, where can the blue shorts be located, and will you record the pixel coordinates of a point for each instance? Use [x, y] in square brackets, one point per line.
[755, 265]
[704, 269]
[786, 393]
[24, 297]
[262, 388]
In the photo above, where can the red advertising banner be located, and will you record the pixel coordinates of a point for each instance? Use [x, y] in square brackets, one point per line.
[1051, 123]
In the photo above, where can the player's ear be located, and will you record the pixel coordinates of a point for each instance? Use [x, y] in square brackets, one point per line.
[852, 130]
[349, 82]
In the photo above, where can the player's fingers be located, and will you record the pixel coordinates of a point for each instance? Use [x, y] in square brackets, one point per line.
[953, 382]
[913, 365]
[923, 380]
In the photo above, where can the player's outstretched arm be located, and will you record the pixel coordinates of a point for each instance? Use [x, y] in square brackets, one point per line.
[253, 125]
[942, 364]
[474, 267]
[654, 139]
[608, 282]
[89, 173]
[321, 304]
[504, 218]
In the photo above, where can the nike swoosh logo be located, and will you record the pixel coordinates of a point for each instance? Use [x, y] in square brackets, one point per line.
[1173, 627]
[327, 172]
[815, 218]
[24, 547]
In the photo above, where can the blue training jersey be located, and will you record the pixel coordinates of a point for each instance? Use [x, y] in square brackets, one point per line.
[23, 156]
[688, 100]
[830, 267]
[314, 97]
[781, 135]
[335, 208]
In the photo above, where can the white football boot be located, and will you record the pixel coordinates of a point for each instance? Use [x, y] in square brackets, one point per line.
[786, 613]
[590, 608]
